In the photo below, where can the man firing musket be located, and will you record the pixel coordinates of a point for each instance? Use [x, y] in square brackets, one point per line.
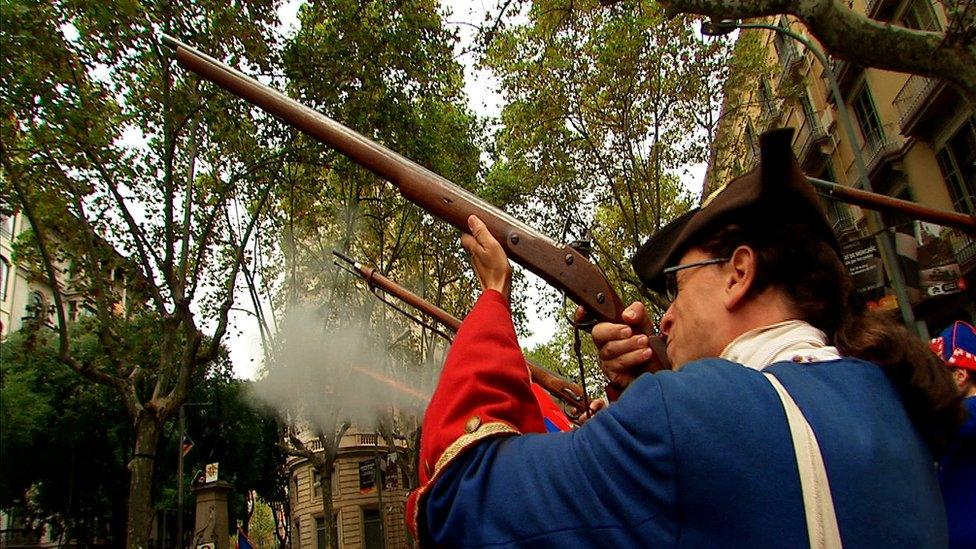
[794, 416]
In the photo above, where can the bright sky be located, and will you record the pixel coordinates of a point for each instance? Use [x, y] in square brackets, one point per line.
[483, 98]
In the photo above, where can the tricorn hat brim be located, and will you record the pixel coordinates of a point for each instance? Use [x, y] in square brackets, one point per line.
[775, 193]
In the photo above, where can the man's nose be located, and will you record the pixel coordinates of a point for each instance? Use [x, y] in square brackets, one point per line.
[667, 321]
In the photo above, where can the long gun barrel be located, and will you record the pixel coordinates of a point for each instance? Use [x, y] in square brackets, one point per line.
[559, 265]
[875, 201]
[564, 390]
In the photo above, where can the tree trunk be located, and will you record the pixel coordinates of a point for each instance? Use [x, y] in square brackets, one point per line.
[140, 482]
[331, 529]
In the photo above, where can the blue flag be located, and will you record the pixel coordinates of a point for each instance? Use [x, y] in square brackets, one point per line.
[242, 541]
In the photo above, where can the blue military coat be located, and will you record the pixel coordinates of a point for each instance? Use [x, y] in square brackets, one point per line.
[701, 457]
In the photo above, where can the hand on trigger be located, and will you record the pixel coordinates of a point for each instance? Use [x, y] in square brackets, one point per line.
[623, 348]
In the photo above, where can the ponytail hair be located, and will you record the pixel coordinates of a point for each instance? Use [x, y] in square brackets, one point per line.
[810, 274]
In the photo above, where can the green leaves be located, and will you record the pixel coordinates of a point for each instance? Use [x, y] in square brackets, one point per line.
[604, 109]
[386, 69]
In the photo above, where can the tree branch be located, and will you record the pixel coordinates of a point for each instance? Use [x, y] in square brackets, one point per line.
[854, 37]
[64, 350]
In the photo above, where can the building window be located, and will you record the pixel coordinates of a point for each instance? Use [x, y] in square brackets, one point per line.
[838, 213]
[37, 308]
[785, 49]
[752, 145]
[316, 484]
[320, 532]
[809, 114]
[867, 117]
[7, 225]
[320, 529]
[919, 15]
[372, 529]
[958, 162]
[4, 277]
[767, 103]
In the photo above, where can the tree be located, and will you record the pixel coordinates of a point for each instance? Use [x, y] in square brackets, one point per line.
[49, 448]
[385, 69]
[234, 430]
[64, 441]
[949, 55]
[80, 83]
[604, 110]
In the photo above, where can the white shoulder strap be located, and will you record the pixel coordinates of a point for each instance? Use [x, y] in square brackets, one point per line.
[817, 501]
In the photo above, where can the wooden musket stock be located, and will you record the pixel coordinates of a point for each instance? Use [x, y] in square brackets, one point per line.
[560, 265]
[564, 390]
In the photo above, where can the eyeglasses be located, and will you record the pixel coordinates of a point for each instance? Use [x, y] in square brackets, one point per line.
[671, 275]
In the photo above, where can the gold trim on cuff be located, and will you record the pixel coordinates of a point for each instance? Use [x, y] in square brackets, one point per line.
[452, 451]
[456, 447]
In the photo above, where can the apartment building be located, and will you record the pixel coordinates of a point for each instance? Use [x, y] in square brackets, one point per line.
[369, 495]
[917, 137]
[26, 292]
[23, 294]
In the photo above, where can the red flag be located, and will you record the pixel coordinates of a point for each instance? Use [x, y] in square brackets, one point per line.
[187, 445]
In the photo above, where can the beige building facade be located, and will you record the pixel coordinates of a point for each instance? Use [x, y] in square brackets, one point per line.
[26, 293]
[23, 294]
[917, 137]
[368, 496]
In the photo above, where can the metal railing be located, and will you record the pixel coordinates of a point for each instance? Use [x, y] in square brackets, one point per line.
[771, 110]
[368, 439]
[875, 7]
[964, 248]
[876, 148]
[806, 137]
[844, 224]
[912, 96]
[789, 60]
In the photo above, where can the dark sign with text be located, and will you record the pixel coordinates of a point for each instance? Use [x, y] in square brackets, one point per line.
[388, 472]
[864, 264]
[367, 476]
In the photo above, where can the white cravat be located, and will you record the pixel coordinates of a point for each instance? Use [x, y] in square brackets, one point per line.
[791, 340]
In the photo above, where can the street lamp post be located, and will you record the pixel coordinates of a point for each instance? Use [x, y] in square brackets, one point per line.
[179, 470]
[874, 222]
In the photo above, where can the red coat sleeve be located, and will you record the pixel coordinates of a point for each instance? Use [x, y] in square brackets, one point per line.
[484, 391]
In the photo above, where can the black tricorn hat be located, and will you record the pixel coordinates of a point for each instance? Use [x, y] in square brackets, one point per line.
[774, 194]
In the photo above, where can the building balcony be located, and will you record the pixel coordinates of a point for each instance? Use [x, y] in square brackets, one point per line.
[919, 103]
[846, 74]
[772, 111]
[806, 142]
[911, 95]
[877, 150]
[790, 62]
[845, 227]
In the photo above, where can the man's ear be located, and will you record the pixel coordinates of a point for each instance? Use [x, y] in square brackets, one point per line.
[960, 376]
[739, 276]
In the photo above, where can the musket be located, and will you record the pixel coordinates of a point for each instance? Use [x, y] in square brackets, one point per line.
[564, 390]
[875, 201]
[558, 264]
